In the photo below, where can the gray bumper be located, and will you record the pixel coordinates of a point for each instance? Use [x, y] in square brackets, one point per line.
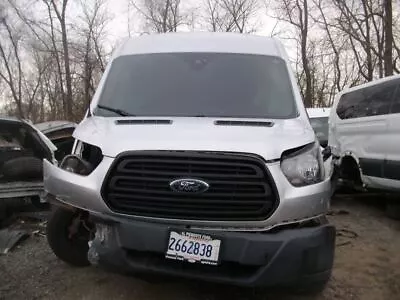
[296, 204]
[288, 257]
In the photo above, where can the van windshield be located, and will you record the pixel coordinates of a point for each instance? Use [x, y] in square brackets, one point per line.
[198, 84]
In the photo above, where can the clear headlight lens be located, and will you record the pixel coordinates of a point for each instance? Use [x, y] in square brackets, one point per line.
[303, 167]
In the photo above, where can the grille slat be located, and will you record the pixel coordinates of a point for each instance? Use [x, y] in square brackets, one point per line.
[192, 213]
[239, 186]
[179, 173]
[217, 205]
[232, 198]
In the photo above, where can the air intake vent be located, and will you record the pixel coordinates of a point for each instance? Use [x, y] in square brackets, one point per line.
[244, 123]
[143, 122]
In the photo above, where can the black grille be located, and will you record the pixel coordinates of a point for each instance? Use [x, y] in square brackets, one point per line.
[239, 186]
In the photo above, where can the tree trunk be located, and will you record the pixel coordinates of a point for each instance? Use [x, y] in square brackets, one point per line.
[370, 69]
[304, 36]
[68, 79]
[388, 54]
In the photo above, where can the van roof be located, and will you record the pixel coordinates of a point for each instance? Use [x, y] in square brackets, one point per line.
[318, 112]
[216, 42]
[370, 83]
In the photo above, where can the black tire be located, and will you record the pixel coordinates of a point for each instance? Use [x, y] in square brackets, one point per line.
[393, 209]
[23, 168]
[71, 250]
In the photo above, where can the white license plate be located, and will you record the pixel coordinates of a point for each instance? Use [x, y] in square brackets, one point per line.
[193, 247]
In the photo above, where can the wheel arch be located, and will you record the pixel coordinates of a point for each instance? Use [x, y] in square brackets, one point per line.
[350, 167]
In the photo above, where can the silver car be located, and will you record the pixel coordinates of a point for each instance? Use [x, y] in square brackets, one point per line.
[196, 159]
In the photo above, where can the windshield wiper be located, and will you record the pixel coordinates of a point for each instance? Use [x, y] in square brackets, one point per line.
[116, 110]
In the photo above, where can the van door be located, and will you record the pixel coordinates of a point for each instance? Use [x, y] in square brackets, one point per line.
[363, 127]
[392, 163]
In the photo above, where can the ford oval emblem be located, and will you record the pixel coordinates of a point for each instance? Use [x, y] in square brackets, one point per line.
[189, 185]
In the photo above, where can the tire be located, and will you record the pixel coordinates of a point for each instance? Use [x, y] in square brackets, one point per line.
[71, 250]
[23, 168]
[393, 209]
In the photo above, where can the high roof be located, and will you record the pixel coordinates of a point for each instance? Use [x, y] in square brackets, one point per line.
[318, 112]
[201, 42]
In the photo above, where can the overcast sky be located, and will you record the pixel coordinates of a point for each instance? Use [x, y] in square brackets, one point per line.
[119, 25]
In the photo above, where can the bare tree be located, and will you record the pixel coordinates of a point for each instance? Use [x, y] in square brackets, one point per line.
[60, 61]
[160, 15]
[231, 15]
[296, 13]
[93, 55]
[11, 69]
[61, 16]
[388, 55]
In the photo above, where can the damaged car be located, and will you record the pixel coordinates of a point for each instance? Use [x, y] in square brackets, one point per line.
[196, 159]
[22, 150]
[60, 134]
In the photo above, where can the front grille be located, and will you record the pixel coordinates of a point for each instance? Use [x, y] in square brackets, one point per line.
[240, 187]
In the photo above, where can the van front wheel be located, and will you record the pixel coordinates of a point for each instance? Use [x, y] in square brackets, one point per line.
[68, 236]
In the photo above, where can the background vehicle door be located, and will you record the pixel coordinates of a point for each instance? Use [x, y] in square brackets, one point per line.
[392, 163]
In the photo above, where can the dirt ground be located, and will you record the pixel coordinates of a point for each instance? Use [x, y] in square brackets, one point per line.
[367, 266]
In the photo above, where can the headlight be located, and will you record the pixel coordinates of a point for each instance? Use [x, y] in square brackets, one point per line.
[77, 165]
[304, 166]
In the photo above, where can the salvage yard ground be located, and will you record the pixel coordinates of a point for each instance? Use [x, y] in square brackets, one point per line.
[367, 267]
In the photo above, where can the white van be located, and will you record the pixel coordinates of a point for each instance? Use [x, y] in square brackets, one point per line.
[196, 159]
[319, 119]
[364, 134]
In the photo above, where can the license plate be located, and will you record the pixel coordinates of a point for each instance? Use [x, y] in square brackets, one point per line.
[193, 247]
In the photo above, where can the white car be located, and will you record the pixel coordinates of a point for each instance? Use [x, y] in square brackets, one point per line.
[319, 119]
[364, 134]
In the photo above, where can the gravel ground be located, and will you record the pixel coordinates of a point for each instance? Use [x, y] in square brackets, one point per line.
[367, 266]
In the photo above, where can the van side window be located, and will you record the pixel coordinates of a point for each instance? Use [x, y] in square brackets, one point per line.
[352, 105]
[379, 98]
[396, 102]
[370, 101]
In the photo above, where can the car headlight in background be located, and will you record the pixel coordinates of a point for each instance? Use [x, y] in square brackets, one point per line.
[304, 166]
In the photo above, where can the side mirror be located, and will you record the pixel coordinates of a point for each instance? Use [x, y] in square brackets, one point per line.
[326, 153]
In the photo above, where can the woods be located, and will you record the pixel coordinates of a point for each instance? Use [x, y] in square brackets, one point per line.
[52, 53]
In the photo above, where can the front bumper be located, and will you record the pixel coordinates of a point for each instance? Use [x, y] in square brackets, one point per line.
[295, 204]
[287, 257]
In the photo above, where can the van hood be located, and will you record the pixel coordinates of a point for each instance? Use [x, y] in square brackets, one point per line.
[195, 134]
